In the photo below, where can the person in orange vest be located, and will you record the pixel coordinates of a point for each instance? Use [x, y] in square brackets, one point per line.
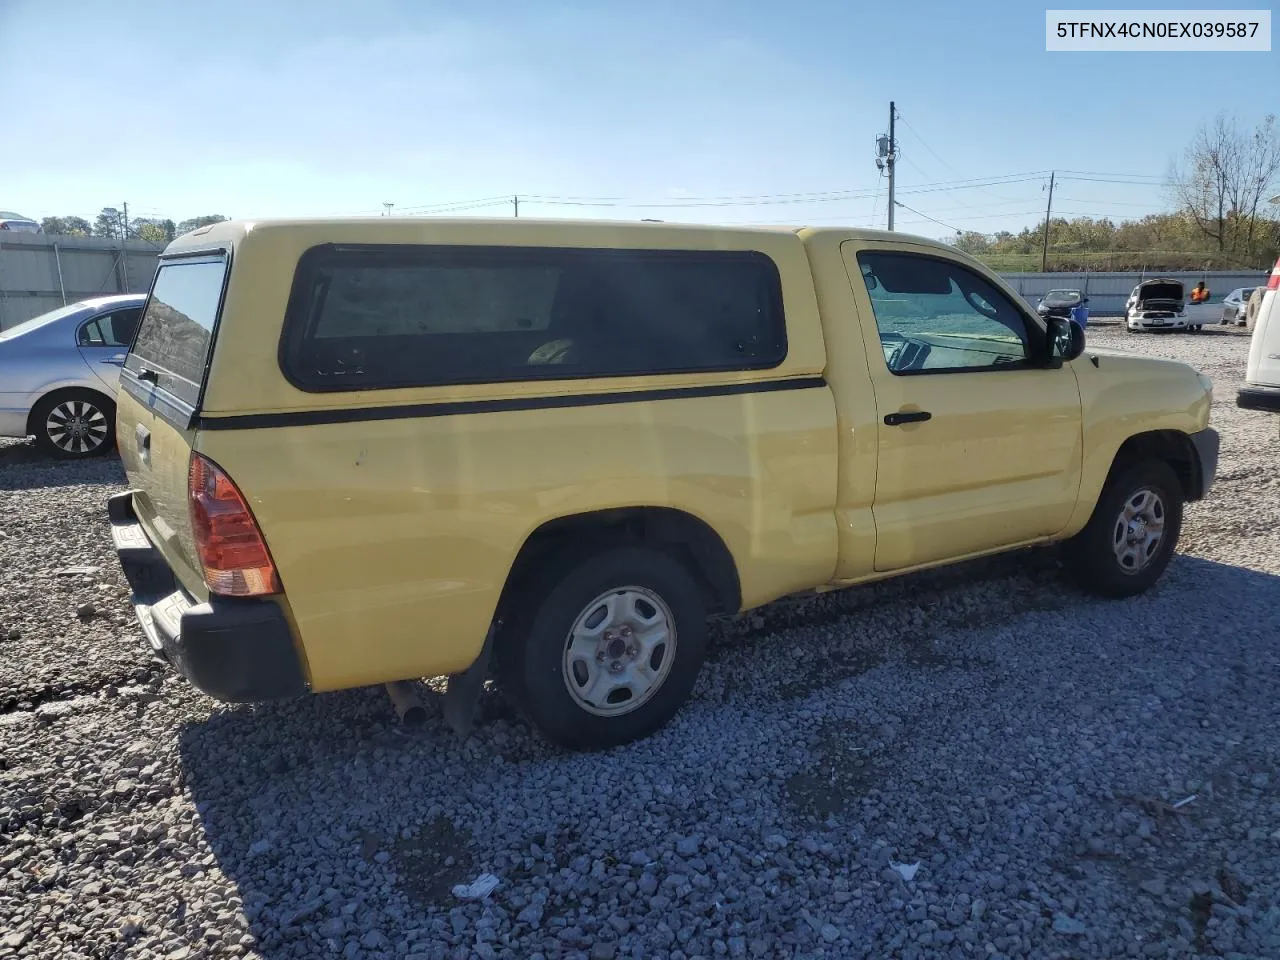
[1200, 294]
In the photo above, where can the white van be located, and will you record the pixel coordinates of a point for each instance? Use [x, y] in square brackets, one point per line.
[1261, 390]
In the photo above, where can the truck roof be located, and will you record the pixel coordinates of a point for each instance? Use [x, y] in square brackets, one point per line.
[230, 231]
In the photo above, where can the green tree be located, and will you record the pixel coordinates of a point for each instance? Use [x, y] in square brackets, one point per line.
[972, 242]
[153, 231]
[195, 223]
[110, 223]
[67, 226]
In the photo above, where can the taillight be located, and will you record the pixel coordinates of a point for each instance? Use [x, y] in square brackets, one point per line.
[234, 556]
[1273, 282]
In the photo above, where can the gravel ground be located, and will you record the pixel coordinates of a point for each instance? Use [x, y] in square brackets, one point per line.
[979, 762]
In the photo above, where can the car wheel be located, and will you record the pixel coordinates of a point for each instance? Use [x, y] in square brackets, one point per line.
[74, 424]
[609, 652]
[1131, 537]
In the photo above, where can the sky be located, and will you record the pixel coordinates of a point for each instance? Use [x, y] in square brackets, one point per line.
[609, 109]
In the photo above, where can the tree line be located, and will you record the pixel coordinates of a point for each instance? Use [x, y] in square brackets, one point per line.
[111, 223]
[1221, 219]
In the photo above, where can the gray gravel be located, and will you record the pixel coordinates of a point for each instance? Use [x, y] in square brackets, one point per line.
[980, 762]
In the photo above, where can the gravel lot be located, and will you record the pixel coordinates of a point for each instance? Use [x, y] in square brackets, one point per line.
[1073, 778]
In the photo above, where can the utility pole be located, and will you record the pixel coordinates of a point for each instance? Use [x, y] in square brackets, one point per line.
[387, 208]
[515, 202]
[889, 163]
[1044, 250]
[124, 249]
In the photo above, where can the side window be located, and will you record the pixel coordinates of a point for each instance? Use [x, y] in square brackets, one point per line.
[90, 334]
[379, 317]
[118, 327]
[936, 316]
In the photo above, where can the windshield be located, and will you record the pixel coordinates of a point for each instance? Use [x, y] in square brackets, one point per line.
[1062, 297]
[26, 326]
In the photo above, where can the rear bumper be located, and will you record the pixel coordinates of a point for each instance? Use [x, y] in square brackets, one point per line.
[1205, 443]
[1255, 397]
[236, 650]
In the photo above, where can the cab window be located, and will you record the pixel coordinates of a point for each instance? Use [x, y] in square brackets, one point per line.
[937, 316]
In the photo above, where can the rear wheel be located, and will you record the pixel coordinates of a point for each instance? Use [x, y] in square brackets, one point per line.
[606, 651]
[74, 424]
[1132, 534]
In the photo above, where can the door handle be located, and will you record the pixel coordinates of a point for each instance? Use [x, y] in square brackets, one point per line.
[114, 361]
[906, 416]
[149, 375]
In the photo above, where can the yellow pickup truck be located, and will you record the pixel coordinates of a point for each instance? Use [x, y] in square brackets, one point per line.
[368, 450]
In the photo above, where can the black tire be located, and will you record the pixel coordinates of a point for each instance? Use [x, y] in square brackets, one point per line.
[1091, 555]
[534, 667]
[83, 410]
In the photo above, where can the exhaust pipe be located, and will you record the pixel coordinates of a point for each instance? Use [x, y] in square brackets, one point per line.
[404, 697]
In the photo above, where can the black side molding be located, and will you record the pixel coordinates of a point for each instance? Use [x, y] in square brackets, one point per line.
[306, 418]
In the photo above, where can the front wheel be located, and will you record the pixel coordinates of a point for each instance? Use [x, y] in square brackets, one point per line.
[1132, 534]
[609, 652]
[74, 424]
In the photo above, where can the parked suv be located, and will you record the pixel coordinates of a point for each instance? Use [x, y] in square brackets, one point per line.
[368, 450]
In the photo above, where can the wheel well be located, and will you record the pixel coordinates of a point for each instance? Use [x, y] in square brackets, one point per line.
[686, 538]
[1171, 446]
[33, 426]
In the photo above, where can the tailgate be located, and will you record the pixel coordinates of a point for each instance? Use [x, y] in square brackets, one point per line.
[160, 387]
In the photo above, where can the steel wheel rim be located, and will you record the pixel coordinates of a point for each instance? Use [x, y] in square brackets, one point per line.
[1138, 530]
[76, 426]
[619, 651]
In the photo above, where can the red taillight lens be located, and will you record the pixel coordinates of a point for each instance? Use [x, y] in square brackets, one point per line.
[1273, 282]
[234, 555]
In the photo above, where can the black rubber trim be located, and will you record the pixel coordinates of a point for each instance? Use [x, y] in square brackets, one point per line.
[236, 650]
[306, 418]
[1259, 398]
[1206, 444]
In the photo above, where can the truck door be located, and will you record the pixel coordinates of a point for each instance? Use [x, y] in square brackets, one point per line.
[979, 442]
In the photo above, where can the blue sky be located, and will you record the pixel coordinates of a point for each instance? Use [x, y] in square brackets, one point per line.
[255, 109]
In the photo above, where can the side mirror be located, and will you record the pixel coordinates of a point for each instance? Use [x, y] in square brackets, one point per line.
[1085, 300]
[1066, 339]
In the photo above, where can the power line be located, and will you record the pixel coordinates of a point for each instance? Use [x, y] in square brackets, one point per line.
[935, 153]
[1130, 183]
[924, 144]
[933, 219]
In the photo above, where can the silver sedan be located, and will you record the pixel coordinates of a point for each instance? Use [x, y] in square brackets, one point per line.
[59, 373]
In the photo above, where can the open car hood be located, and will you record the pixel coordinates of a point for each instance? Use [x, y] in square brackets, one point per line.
[1165, 291]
